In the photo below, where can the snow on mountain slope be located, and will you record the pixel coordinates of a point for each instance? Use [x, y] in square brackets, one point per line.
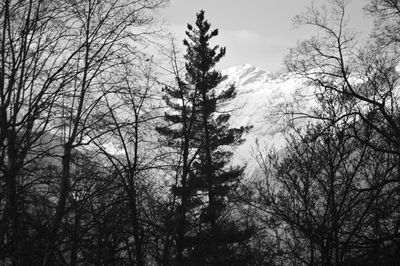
[261, 96]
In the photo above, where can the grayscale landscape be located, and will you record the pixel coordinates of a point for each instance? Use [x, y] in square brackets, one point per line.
[183, 132]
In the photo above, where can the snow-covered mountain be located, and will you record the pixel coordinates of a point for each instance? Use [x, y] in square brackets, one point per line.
[261, 98]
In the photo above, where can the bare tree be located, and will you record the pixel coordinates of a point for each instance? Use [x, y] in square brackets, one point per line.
[315, 196]
[356, 89]
[364, 78]
[387, 15]
[32, 75]
[53, 55]
[130, 113]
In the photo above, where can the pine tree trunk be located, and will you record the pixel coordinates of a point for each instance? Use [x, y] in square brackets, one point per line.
[208, 165]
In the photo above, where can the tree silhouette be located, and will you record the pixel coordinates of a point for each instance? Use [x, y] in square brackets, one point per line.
[205, 141]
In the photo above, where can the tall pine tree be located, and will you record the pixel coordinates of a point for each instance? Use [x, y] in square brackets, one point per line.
[218, 235]
[207, 233]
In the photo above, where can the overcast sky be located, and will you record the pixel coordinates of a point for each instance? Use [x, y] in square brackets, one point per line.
[257, 32]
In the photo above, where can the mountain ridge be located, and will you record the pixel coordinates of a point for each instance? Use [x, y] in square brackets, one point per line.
[259, 103]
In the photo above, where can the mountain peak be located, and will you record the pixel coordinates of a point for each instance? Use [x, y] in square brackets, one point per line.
[246, 68]
[260, 98]
[247, 75]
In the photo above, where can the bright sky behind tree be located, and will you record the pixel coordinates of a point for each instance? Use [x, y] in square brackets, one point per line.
[257, 32]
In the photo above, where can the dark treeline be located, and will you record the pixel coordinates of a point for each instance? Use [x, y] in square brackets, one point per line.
[97, 169]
